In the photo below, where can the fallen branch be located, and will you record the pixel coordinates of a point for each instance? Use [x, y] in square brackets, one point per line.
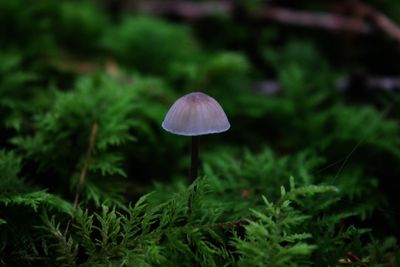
[318, 20]
[186, 9]
[333, 22]
[195, 10]
[380, 20]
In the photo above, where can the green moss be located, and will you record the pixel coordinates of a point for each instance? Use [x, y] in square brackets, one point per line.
[136, 207]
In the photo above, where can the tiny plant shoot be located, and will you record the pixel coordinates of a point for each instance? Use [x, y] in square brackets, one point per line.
[193, 115]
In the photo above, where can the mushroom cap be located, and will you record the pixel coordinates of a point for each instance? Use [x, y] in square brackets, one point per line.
[196, 114]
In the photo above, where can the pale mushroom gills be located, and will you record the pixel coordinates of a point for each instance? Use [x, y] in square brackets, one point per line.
[192, 115]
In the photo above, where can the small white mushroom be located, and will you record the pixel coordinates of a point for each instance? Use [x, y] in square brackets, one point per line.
[196, 114]
[192, 115]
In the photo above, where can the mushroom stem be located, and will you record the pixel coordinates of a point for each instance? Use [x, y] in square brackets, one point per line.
[195, 158]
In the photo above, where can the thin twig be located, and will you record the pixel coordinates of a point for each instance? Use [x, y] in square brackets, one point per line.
[326, 21]
[85, 164]
[378, 18]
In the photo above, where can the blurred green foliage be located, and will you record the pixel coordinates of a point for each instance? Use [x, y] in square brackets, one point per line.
[149, 45]
[70, 66]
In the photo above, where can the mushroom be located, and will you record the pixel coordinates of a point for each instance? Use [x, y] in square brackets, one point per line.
[193, 115]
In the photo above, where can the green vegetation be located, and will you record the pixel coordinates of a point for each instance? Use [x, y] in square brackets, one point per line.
[305, 176]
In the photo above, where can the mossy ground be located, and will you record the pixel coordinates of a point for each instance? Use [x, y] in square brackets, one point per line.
[306, 176]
